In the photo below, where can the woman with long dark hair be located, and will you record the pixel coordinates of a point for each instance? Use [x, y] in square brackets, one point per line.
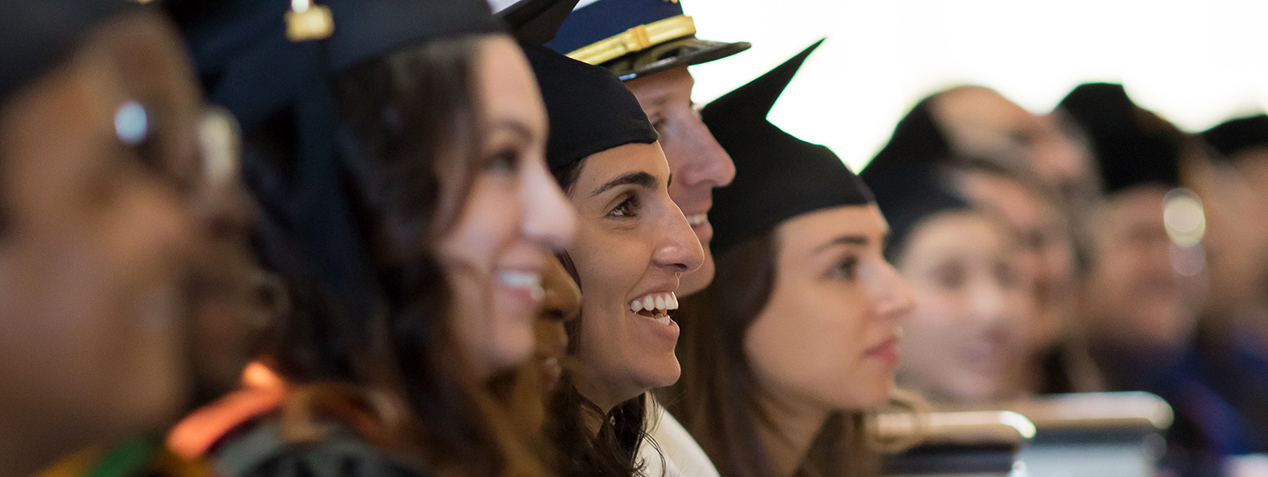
[796, 338]
[398, 162]
[632, 246]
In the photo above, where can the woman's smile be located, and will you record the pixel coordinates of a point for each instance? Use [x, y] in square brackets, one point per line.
[656, 305]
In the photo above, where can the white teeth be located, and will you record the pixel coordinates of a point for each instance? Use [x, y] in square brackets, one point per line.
[658, 304]
[694, 220]
[663, 319]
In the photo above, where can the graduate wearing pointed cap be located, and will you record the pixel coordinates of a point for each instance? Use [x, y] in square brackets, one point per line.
[649, 44]
[101, 212]
[796, 336]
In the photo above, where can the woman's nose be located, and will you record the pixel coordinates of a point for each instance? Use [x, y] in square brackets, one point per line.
[678, 247]
[895, 297]
[708, 164]
[990, 303]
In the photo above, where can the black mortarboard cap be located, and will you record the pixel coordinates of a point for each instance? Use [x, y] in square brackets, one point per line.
[297, 160]
[906, 179]
[777, 176]
[590, 110]
[366, 29]
[38, 35]
[1133, 147]
[1237, 135]
[637, 37]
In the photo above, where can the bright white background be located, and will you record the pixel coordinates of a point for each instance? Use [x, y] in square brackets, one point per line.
[1195, 62]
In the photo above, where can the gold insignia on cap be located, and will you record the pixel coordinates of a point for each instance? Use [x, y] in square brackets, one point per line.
[635, 39]
[307, 22]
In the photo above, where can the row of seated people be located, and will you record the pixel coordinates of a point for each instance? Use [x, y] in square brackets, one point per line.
[443, 287]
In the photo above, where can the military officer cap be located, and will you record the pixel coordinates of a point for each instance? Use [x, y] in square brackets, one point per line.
[634, 38]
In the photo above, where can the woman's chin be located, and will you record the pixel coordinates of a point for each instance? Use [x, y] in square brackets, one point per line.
[660, 372]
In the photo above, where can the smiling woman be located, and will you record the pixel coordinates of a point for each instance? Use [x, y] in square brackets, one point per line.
[633, 245]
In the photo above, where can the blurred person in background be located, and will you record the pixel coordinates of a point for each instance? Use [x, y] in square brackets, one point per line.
[797, 337]
[121, 256]
[656, 72]
[914, 177]
[398, 160]
[1144, 286]
[1035, 216]
[978, 125]
[966, 340]
[1233, 333]
[633, 245]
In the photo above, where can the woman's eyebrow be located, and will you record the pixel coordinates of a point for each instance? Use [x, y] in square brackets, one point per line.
[641, 179]
[513, 125]
[843, 240]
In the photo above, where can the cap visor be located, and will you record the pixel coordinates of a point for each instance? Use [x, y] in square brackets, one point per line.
[682, 52]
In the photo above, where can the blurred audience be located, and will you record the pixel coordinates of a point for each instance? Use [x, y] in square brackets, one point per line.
[1144, 287]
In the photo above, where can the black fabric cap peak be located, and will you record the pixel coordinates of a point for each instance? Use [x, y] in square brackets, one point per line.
[590, 110]
[1237, 135]
[376, 27]
[1133, 147]
[778, 176]
[38, 35]
[906, 179]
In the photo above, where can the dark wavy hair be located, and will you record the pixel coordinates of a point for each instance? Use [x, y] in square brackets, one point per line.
[411, 135]
[717, 397]
[613, 452]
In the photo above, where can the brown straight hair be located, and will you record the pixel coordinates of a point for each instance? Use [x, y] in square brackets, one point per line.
[717, 397]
